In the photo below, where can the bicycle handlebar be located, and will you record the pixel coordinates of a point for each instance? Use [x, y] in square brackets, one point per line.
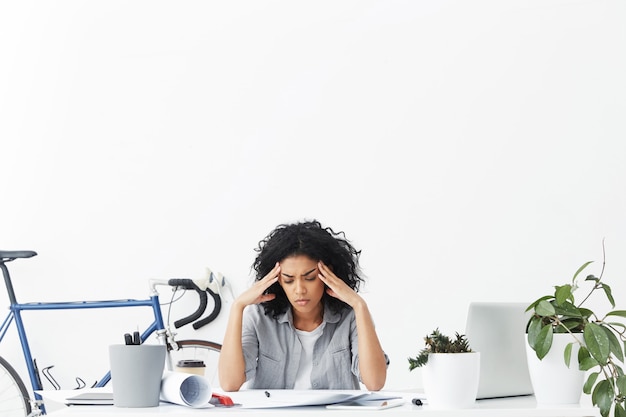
[189, 285]
[197, 286]
[216, 311]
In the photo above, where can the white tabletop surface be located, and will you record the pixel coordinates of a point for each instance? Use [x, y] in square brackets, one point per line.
[525, 406]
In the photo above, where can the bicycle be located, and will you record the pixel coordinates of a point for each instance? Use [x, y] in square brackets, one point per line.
[15, 399]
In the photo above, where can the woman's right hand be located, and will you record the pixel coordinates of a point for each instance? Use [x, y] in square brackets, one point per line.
[232, 363]
[255, 294]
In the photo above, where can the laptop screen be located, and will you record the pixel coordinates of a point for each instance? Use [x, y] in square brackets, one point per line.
[498, 332]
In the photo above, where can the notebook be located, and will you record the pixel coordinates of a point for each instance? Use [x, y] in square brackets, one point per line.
[498, 332]
[91, 397]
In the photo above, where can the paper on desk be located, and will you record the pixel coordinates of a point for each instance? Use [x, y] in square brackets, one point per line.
[367, 404]
[296, 398]
[186, 389]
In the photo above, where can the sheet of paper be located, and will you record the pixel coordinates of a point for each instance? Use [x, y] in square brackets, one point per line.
[297, 398]
[367, 404]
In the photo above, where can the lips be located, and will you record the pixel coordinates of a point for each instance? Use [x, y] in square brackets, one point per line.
[302, 302]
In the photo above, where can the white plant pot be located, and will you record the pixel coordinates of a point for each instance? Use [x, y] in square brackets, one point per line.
[553, 382]
[451, 379]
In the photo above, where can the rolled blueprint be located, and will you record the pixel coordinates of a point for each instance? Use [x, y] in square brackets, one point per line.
[186, 389]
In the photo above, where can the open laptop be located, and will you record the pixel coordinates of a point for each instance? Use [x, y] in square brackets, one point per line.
[498, 332]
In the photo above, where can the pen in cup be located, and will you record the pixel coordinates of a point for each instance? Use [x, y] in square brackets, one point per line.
[135, 339]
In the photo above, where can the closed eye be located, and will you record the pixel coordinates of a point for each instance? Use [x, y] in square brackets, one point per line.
[308, 276]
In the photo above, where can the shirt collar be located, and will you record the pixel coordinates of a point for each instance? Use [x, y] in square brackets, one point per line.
[329, 316]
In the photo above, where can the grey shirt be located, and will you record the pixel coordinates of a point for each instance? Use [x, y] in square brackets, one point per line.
[272, 350]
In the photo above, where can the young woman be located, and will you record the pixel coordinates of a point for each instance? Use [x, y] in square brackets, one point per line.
[302, 325]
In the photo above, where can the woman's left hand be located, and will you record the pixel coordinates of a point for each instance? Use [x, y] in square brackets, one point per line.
[336, 286]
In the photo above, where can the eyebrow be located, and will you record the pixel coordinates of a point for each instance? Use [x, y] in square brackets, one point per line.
[304, 275]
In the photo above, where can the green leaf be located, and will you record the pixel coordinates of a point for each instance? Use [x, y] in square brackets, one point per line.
[602, 396]
[534, 304]
[583, 266]
[544, 341]
[597, 342]
[590, 381]
[585, 361]
[621, 384]
[568, 309]
[574, 325]
[586, 313]
[544, 308]
[615, 346]
[587, 364]
[616, 324]
[533, 331]
[609, 294]
[620, 313]
[619, 410]
[567, 354]
[563, 293]
[583, 353]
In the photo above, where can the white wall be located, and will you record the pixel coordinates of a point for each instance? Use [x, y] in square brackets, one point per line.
[472, 150]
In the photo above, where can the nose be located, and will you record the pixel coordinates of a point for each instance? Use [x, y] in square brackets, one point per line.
[300, 287]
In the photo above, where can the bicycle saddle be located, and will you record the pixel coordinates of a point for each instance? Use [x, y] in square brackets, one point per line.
[9, 255]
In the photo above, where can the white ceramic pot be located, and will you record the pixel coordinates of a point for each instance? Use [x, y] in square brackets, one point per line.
[553, 382]
[451, 379]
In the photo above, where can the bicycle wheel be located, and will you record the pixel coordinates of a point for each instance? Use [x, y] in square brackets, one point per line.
[199, 350]
[14, 398]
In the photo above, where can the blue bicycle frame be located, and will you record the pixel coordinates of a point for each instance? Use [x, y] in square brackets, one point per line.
[157, 326]
[15, 314]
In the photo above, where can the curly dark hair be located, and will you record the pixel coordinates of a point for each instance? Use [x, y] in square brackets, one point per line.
[318, 243]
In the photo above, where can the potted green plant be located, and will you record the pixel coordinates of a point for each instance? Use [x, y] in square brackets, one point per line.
[450, 370]
[598, 338]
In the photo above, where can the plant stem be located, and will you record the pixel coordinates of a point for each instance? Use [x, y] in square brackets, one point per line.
[597, 284]
[559, 323]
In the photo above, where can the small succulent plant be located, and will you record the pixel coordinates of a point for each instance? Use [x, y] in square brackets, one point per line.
[436, 342]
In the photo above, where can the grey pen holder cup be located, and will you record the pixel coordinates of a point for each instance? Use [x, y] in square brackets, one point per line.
[136, 373]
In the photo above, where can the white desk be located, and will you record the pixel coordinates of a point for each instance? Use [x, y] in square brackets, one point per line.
[509, 407]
